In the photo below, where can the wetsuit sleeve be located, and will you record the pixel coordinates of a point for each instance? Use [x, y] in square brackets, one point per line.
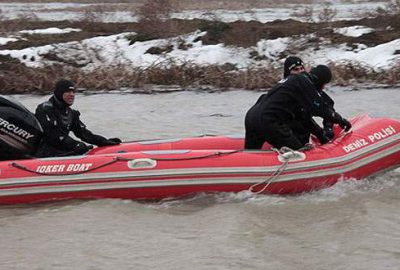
[313, 100]
[330, 103]
[53, 134]
[328, 125]
[316, 130]
[80, 130]
[327, 99]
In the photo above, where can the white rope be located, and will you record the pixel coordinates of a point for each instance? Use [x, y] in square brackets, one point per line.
[343, 134]
[278, 172]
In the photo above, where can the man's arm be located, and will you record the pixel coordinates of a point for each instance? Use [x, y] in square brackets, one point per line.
[316, 130]
[80, 130]
[315, 103]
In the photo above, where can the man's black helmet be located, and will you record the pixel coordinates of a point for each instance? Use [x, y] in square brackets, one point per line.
[321, 75]
[290, 63]
[63, 86]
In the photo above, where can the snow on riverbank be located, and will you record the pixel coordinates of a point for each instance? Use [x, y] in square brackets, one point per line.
[116, 49]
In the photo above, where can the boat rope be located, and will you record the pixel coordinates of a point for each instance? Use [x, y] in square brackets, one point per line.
[188, 158]
[116, 159]
[206, 135]
[343, 134]
[21, 167]
[167, 139]
[280, 170]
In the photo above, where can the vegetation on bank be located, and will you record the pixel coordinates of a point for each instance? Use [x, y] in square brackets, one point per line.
[155, 22]
[20, 80]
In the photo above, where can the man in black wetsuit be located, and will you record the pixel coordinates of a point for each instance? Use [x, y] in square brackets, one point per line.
[58, 119]
[328, 101]
[303, 128]
[295, 99]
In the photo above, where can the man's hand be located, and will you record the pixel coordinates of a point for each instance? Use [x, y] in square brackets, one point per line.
[115, 140]
[111, 141]
[82, 148]
[328, 132]
[323, 139]
[344, 124]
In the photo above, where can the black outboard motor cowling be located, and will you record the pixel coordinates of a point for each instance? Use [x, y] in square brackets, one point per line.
[20, 131]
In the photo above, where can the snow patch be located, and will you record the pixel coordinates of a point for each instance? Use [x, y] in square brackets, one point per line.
[353, 31]
[50, 31]
[117, 50]
[4, 41]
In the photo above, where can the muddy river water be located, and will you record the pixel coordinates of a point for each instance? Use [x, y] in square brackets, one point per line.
[352, 225]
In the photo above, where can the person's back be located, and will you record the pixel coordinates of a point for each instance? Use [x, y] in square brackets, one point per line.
[295, 98]
[278, 107]
[287, 99]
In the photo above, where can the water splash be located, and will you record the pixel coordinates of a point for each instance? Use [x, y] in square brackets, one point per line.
[345, 188]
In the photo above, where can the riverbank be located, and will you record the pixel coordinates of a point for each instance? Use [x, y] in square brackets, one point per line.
[191, 54]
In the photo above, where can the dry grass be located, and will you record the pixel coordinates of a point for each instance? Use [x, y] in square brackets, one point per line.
[16, 78]
[27, 80]
[352, 73]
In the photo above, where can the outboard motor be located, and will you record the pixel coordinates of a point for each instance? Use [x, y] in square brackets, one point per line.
[20, 131]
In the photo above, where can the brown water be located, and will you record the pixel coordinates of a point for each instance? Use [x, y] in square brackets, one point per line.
[352, 225]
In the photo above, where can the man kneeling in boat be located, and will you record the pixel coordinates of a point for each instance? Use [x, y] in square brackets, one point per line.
[58, 119]
[295, 99]
[301, 127]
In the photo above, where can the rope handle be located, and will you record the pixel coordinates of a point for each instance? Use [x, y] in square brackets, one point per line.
[116, 159]
[189, 158]
[21, 167]
[269, 180]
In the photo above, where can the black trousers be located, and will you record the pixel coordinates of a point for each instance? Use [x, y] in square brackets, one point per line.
[277, 134]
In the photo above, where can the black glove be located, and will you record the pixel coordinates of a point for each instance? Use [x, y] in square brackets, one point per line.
[112, 141]
[323, 139]
[116, 140]
[81, 148]
[344, 124]
[328, 132]
[318, 132]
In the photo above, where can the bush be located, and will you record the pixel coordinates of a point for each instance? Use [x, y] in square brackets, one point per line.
[327, 13]
[394, 7]
[160, 50]
[154, 18]
[390, 8]
[306, 14]
[138, 38]
[93, 13]
[214, 29]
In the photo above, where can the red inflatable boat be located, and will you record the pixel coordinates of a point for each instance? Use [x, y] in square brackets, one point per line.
[173, 168]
